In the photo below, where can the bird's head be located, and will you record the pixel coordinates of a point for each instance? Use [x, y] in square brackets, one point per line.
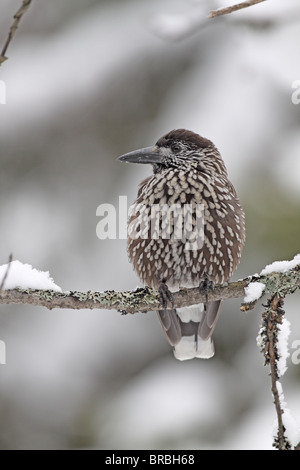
[178, 148]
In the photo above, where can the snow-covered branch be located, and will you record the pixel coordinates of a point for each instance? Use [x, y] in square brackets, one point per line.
[268, 342]
[25, 285]
[273, 343]
[17, 18]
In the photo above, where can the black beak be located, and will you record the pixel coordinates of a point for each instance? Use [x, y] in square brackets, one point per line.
[147, 155]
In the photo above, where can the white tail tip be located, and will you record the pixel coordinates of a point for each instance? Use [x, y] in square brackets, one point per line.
[188, 348]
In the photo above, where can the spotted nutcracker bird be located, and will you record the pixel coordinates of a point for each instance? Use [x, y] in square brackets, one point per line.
[171, 247]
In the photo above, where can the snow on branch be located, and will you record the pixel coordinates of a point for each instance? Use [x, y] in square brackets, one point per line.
[272, 341]
[232, 8]
[17, 18]
[26, 285]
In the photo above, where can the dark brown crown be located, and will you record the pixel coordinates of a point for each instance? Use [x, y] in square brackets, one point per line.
[183, 135]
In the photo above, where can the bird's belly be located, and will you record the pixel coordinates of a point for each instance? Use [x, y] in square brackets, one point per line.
[171, 261]
[184, 248]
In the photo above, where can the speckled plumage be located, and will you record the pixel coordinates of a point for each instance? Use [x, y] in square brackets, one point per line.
[188, 172]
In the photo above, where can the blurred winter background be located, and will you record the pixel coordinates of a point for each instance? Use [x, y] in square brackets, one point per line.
[88, 80]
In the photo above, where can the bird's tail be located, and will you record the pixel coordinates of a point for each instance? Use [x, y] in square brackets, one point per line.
[189, 329]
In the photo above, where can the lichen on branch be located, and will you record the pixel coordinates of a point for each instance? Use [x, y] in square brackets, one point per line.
[146, 299]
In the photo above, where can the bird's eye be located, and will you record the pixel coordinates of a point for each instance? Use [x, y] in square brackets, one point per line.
[175, 147]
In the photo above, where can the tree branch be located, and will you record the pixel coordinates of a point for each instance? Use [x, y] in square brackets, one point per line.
[272, 317]
[13, 28]
[146, 299]
[232, 8]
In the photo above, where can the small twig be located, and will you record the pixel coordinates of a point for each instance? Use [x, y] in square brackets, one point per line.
[13, 28]
[6, 272]
[232, 8]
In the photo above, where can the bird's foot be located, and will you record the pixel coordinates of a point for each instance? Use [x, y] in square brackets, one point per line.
[165, 295]
[206, 286]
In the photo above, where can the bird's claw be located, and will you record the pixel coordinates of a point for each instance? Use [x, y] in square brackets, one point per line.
[206, 286]
[165, 295]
